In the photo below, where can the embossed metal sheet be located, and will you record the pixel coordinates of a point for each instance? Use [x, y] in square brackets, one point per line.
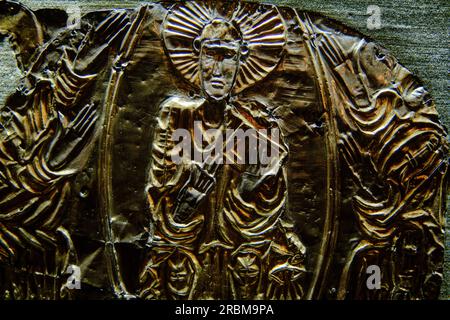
[88, 177]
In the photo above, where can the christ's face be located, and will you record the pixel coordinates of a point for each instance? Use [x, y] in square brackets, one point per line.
[219, 63]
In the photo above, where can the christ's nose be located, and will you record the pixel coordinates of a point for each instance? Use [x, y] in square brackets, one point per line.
[217, 68]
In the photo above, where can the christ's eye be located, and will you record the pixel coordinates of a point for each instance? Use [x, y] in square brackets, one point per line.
[229, 54]
[210, 53]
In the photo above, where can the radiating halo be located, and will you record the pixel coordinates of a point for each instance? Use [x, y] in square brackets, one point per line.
[262, 30]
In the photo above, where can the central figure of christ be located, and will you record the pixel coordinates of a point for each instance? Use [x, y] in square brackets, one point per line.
[219, 226]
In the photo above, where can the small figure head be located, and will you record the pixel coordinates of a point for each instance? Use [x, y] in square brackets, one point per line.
[180, 275]
[246, 273]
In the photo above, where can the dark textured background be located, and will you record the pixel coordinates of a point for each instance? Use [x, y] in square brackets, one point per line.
[416, 32]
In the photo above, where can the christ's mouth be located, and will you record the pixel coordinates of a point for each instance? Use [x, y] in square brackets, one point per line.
[217, 84]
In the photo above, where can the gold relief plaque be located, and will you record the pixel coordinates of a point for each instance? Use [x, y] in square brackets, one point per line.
[215, 150]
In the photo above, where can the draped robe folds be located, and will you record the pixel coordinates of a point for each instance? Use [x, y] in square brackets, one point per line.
[228, 219]
[33, 194]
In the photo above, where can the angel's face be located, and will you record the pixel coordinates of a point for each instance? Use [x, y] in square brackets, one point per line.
[378, 65]
[10, 14]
